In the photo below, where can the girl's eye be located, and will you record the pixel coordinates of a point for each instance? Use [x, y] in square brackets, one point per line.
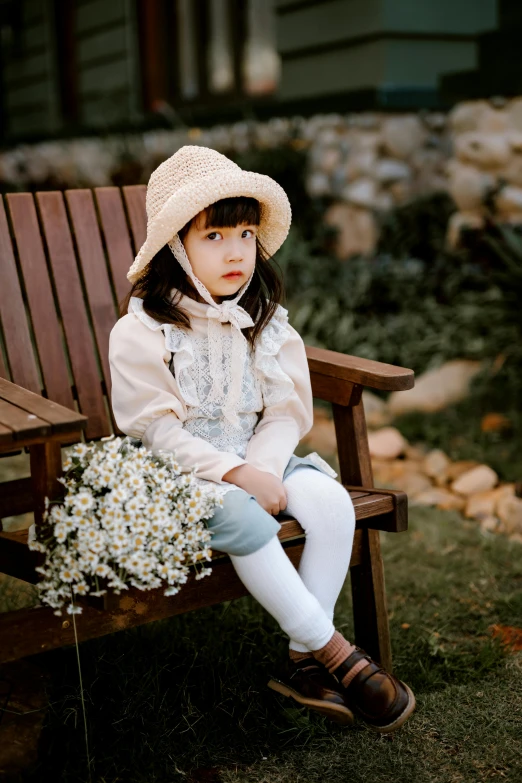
[214, 235]
[247, 234]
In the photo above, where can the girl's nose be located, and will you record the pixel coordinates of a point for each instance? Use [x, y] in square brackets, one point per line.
[234, 251]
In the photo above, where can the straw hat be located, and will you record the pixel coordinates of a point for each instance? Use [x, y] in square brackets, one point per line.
[192, 179]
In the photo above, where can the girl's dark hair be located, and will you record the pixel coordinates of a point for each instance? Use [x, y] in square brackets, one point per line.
[164, 273]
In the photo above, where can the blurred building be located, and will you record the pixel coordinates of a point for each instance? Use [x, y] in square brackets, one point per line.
[77, 66]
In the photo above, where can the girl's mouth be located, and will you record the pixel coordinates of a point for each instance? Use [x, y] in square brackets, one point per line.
[233, 275]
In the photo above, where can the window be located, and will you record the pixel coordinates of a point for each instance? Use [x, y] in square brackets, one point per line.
[207, 53]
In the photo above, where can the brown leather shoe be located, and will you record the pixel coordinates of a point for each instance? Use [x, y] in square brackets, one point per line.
[382, 701]
[310, 684]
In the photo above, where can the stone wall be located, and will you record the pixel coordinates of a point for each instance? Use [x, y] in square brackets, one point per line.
[364, 164]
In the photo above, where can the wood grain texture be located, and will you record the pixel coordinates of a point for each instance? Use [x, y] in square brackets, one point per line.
[134, 196]
[60, 418]
[21, 422]
[19, 348]
[74, 314]
[42, 307]
[95, 275]
[16, 497]
[353, 452]
[117, 239]
[370, 606]
[366, 372]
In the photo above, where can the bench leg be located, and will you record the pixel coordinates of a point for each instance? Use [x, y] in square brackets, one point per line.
[46, 467]
[370, 611]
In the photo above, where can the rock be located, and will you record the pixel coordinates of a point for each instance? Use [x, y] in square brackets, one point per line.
[514, 110]
[481, 505]
[467, 116]
[386, 443]
[436, 389]
[360, 163]
[357, 230]
[383, 471]
[414, 484]
[509, 199]
[509, 510]
[490, 524]
[327, 159]
[403, 135]
[318, 184]
[468, 186]
[415, 453]
[442, 498]
[485, 150]
[388, 170]
[478, 479]
[404, 467]
[460, 221]
[456, 469]
[512, 171]
[436, 121]
[436, 463]
[394, 471]
[321, 437]
[375, 409]
[484, 504]
[494, 121]
[362, 192]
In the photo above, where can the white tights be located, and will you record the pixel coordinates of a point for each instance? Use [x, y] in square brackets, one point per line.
[303, 601]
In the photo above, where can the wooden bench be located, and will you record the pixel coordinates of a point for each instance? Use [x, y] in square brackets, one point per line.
[63, 265]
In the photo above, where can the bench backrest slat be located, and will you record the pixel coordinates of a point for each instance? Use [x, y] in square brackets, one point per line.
[14, 323]
[116, 235]
[74, 314]
[39, 292]
[94, 269]
[134, 196]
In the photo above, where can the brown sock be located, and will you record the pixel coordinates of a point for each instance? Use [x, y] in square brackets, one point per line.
[335, 652]
[296, 656]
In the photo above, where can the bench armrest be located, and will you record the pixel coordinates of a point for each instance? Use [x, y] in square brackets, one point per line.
[364, 372]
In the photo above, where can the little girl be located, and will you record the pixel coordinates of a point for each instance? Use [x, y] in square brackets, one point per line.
[226, 387]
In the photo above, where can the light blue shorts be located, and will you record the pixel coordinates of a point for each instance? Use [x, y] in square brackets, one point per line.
[241, 526]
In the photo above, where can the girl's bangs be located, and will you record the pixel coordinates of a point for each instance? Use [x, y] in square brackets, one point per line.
[230, 212]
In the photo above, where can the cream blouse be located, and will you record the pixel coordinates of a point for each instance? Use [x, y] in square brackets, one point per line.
[170, 391]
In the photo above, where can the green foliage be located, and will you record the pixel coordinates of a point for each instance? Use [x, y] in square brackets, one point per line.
[401, 311]
[173, 700]
[417, 229]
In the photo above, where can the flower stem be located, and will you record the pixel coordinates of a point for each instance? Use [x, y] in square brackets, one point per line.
[81, 691]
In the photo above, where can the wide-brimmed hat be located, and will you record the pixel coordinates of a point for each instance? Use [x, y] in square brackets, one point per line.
[192, 179]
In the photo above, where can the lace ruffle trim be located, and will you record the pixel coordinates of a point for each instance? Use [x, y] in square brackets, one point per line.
[276, 384]
[178, 342]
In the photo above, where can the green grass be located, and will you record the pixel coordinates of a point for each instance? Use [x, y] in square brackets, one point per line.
[186, 699]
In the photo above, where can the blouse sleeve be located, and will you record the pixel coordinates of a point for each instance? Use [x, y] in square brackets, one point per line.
[287, 420]
[147, 404]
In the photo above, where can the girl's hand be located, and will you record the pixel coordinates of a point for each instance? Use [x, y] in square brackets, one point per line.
[267, 489]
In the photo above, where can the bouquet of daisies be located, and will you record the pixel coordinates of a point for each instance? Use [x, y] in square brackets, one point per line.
[129, 518]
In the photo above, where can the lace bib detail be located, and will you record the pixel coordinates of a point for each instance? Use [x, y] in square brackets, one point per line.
[205, 417]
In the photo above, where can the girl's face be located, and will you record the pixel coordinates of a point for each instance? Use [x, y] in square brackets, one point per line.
[222, 258]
